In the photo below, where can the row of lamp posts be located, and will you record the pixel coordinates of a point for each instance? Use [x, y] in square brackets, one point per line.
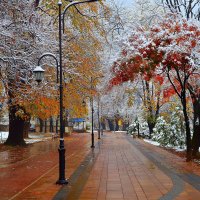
[92, 110]
[39, 74]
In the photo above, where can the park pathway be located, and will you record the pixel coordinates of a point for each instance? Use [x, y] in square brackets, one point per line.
[130, 169]
[119, 168]
[31, 172]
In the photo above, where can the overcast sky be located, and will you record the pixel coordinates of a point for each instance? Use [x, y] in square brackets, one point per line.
[123, 2]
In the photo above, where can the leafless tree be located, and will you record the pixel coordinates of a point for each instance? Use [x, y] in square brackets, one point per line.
[187, 8]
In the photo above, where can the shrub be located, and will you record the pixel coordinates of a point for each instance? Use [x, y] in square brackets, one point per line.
[169, 134]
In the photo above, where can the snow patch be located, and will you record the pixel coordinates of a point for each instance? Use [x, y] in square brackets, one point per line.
[31, 141]
[152, 142]
[32, 138]
[158, 144]
[3, 136]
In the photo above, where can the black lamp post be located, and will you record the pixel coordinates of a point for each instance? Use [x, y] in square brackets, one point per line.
[98, 101]
[98, 115]
[92, 108]
[39, 74]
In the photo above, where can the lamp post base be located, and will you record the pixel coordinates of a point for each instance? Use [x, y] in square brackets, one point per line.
[92, 146]
[62, 182]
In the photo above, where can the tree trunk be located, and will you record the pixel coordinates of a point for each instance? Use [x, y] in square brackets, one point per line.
[151, 126]
[16, 127]
[41, 125]
[26, 129]
[36, 3]
[45, 126]
[111, 125]
[116, 125]
[103, 125]
[196, 125]
[188, 133]
[51, 125]
[138, 129]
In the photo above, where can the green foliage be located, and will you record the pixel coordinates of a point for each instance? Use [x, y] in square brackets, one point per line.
[132, 129]
[170, 134]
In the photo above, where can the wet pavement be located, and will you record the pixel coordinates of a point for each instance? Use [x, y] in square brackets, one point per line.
[119, 168]
[21, 168]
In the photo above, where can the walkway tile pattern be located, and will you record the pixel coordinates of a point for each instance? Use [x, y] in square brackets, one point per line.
[188, 172]
[121, 172]
[189, 193]
[35, 174]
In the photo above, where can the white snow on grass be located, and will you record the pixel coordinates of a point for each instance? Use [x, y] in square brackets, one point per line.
[152, 142]
[3, 136]
[158, 144]
[33, 138]
[31, 141]
[120, 131]
[178, 149]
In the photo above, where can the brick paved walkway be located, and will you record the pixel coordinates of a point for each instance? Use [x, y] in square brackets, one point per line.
[31, 173]
[119, 168]
[130, 169]
[123, 172]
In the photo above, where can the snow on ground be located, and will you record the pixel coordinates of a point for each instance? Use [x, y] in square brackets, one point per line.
[152, 142]
[33, 138]
[3, 136]
[158, 144]
[178, 149]
[120, 131]
[31, 141]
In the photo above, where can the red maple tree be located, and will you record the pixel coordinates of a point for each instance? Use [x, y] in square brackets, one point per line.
[169, 51]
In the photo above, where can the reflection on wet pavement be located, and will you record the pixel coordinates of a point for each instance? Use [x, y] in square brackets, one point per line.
[22, 167]
[14, 155]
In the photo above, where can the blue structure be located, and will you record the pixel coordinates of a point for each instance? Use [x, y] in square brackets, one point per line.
[73, 120]
[75, 123]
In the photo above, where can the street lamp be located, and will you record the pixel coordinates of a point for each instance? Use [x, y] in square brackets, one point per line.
[98, 101]
[39, 74]
[98, 115]
[92, 108]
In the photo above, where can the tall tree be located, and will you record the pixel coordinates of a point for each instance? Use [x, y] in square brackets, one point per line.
[21, 31]
[188, 9]
[169, 49]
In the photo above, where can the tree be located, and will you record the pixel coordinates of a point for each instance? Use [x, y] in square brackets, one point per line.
[188, 9]
[168, 133]
[181, 67]
[82, 44]
[23, 37]
[28, 29]
[169, 49]
[121, 23]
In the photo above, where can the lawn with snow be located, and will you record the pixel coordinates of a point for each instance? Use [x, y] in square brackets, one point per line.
[152, 142]
[158, 144]
[33, 138]
[3, 136]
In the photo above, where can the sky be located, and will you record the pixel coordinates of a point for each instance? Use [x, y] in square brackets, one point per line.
[123, 2]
